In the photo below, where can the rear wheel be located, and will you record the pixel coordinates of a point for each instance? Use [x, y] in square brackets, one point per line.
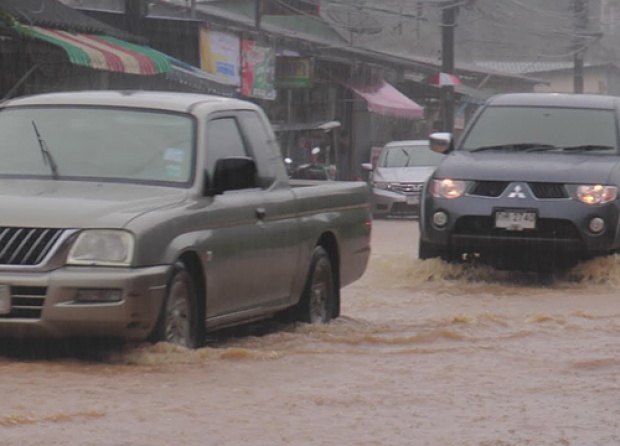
[180, 322]
[319, 301]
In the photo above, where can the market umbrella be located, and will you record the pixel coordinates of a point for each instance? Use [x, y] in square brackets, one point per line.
[443, 80]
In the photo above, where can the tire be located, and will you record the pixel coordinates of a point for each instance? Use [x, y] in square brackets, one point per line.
[429, 251]
[180, 321]
[319, 301]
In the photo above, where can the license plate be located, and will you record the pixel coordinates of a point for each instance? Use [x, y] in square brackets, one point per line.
[413, 199]
[515, 220]
[5, 299]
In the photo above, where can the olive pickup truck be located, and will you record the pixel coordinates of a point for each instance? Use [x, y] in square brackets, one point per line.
[161, 216]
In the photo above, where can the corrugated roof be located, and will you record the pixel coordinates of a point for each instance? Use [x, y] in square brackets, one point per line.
[524, 67]
[53, 14]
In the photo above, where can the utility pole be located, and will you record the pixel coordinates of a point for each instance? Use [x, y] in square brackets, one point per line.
[258, 9]
[580, 9]
[135, 11]
[448, 24]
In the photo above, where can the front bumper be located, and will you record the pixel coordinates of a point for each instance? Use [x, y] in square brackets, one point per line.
[45, 305]
[388, 203]
[561, 227]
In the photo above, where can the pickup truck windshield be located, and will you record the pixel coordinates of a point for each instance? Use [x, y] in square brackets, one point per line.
[543, 129]
[408, 156]
[104, 144]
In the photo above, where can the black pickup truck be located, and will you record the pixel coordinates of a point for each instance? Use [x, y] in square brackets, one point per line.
[531, 184]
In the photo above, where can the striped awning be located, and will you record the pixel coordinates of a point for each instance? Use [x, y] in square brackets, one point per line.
[103, 52]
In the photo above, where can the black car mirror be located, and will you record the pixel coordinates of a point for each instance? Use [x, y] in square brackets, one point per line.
[234, 173]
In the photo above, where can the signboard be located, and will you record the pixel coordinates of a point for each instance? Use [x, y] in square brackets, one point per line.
[294, 72]
[220, 54]
[258, 70]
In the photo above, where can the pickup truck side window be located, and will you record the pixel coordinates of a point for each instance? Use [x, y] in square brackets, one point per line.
[223, 140]
[264, 148]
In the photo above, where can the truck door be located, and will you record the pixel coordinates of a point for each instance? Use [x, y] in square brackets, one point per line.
[241, 274]
[278, 226]
[235, 241]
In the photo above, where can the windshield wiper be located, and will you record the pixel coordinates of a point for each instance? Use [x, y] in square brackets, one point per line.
[47, 155]
[587, 148]
[408, 155]
[524, 147]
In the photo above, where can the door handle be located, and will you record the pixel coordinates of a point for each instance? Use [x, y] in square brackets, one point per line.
[261, 213]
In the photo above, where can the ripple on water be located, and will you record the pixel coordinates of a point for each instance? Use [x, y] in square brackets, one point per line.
[404, 271]
[430, 277]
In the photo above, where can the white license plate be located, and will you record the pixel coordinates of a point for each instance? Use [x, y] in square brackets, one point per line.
[515, 220]
[5, 299]
[413, 199]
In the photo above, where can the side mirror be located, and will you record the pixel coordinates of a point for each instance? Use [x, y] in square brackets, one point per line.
[441, 142]
[234, 173]
[367, 166]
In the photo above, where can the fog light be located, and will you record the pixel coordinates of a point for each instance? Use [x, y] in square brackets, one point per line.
[597, 225]
[440, 218]
[99, 296]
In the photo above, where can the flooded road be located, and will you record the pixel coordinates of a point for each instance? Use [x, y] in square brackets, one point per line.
[424, 354]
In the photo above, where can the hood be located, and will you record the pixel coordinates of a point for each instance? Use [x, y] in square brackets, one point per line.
[75, 204]
[417, 174]
[535, 167]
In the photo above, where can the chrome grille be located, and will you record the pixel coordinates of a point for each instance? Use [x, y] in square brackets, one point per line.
[27, 302]
[26, 246]
[407, 188]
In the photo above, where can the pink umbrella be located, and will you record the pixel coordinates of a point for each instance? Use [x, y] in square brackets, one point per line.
[443, 80]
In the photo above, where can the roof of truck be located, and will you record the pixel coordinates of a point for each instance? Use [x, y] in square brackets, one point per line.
[173, 101]
[555, 100]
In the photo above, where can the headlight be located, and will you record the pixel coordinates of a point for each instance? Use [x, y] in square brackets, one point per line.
[447, 188]
[102, 247]
[596, 193]
[382, 185]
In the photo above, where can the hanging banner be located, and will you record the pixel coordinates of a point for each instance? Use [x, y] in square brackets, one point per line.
[258, 71]
[220, 55]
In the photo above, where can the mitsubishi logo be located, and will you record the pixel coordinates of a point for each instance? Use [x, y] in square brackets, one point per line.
[517, 192]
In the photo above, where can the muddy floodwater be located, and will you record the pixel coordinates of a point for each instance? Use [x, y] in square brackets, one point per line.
[424, 354]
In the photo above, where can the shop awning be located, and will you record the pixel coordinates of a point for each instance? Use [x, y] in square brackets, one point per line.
[198, 79]
[384, 99]
[104, 52]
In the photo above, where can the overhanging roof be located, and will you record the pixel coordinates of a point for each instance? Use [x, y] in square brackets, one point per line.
[54, 14]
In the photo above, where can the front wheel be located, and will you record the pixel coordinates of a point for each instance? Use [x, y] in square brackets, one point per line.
[180, 322]
[429, 251]
[319, 301]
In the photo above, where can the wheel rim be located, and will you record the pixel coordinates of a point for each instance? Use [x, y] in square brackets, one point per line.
[177, 314]
[320, 293]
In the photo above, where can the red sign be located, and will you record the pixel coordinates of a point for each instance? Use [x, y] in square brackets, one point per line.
[258, 70]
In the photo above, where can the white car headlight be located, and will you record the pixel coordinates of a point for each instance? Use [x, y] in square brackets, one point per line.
[596, 193]
[447, 188]
[102, 247]
[382, 185]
